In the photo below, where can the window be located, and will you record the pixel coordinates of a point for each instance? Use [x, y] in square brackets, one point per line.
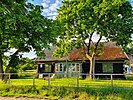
[56, 68]
[61, 67]
[47, 68]
[108, 67]
[41, 68]
[41, 65]
[77, 67]
[73, 67]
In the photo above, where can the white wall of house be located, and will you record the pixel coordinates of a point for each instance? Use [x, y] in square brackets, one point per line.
[68, 69]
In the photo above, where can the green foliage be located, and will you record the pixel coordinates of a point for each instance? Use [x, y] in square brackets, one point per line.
[129, 49]
[63, 49]
[27, 64]
[23, 27]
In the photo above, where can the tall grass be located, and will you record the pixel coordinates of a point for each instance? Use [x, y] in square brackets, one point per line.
[82, 93]
[88, 90]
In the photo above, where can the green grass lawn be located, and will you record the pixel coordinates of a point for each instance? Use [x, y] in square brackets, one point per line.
[88, 89]
[27, 79]
[92, 90]
[71, 82]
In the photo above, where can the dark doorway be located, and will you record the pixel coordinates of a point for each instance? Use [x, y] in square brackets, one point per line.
[41, 68]
[98, 70]
[118, 69]
[85, 69]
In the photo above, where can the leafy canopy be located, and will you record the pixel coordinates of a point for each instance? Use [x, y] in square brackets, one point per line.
[22, 26]
[82, 19]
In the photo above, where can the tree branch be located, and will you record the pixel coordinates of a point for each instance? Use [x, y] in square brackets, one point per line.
[85, 44]
[88, 47]
[96, 45]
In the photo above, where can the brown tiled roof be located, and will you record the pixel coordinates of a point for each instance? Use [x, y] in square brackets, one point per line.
[109, 53]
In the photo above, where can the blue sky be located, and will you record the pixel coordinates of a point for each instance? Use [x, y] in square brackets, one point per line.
[49, 6]
[131, 1]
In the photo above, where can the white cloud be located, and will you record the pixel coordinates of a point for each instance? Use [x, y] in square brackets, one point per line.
[53, 7]
[46, 11]
[46, 1]
[50, 7]
[10, 52]
[58, 1]
[52, 15]
[95, 38]
[30, 55]
[45, 5]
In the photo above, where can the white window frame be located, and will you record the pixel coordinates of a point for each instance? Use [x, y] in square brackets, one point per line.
[77, 67]
[73, 67]
[58, 67]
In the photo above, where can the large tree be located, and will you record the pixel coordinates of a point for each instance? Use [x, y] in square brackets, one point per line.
[82, 19]
[23, 27]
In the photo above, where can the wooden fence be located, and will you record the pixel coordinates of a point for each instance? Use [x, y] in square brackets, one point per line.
[48, 78]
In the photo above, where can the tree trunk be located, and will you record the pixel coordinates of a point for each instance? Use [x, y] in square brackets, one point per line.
[5, 77]
[1, 61]
[12, 63]
[1, 67]
[92, 66]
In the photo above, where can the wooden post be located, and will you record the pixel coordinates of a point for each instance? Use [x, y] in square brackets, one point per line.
[78, 80]
[111, 80]
[49, 80]
[20, 72]
[9, 78]
[33, 80]
[93, 64]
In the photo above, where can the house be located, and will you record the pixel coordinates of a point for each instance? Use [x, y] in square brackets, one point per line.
[110, 62]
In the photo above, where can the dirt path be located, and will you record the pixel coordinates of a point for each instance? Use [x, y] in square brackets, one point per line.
[20, 98]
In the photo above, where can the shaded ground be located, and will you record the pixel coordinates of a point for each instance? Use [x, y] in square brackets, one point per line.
[20, 98]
